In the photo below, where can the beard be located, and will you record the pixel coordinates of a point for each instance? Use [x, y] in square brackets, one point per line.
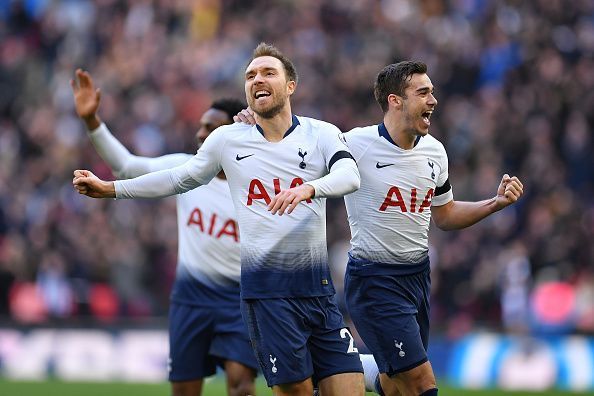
[274, 109]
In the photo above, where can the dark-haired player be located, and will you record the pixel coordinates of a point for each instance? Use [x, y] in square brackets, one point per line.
[404, 183]
[205, 324]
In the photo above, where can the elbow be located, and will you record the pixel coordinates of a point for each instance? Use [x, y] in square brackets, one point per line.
[443, 224]
[124, 173]
[439, 224]
[356, 184]
[120, 171]
[120, 175]
[444, 227]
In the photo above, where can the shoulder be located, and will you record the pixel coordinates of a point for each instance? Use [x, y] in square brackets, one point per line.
[237, 128]
[362, 132]
[360, 139]
[434, 149]
[433, 144]
[318, 126]
[226, 133]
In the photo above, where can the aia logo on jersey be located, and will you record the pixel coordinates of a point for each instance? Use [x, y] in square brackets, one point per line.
[394, 198]
[257, 190]
[213, 226]
[302, 155]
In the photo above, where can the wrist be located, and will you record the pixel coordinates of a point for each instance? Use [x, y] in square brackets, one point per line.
[109, 189]
[92, 122]
[311, 191]
[497, 204]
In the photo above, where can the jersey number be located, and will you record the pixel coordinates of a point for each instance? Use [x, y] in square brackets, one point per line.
[344, 333]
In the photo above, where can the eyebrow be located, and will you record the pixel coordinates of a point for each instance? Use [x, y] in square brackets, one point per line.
[425, 89]
[250, 71]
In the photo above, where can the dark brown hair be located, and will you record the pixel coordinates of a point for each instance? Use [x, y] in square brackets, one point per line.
[393, 79]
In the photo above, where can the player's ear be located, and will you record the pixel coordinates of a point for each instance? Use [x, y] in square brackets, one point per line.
[395, 101]
[291, 85]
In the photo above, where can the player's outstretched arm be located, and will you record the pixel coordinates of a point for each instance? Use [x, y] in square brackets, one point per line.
[456, 214]
[86, 98]
[86, 183]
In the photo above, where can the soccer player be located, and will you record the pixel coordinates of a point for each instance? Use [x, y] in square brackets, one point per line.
[404, 183]
[205, 324]
[280, 172]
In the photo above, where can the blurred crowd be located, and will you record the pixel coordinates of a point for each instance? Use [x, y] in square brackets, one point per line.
[515, 85]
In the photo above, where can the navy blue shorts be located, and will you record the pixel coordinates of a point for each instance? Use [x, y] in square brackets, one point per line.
[200, 338]
[298, 338]
[391, 314]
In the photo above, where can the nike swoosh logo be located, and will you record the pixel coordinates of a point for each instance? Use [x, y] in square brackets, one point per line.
[380, 166]
[238, 158]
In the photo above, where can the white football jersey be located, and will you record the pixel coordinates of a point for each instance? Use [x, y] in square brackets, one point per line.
[208, 236]
[390, 214]
[281, 256]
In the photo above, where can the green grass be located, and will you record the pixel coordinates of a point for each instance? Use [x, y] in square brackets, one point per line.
[216, 387]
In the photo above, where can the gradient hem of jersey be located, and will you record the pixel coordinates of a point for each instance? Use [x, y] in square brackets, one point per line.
[362, 267]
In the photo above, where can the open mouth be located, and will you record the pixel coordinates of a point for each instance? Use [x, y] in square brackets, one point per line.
[426, 116]
[261, 94]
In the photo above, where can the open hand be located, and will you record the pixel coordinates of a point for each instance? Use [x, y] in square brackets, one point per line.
[86, 98]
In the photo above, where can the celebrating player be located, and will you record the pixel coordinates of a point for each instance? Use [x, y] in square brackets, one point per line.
[404, 183]
[205, 324]
[285, 166]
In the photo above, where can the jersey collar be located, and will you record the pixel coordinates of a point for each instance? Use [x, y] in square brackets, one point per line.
[383, 132]
[291, 129]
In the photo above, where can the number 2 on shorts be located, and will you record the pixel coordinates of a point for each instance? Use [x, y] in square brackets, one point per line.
[344, 333]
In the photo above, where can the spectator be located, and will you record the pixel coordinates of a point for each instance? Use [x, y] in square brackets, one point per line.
[161, 63]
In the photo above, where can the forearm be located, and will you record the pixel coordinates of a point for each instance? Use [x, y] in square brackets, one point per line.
[126, 165]
[458, 214]
[113, 152]
[157, 184]
[343, 179]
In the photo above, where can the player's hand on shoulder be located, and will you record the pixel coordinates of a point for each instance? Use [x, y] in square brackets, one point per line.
[246, 116]
[288, 199]
[509, 191]
[86, 183]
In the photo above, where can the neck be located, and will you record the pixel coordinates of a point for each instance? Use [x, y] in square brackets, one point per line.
[275, 128]
[397, 129]
[221, 175]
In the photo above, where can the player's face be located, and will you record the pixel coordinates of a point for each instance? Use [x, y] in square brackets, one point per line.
[211, 120]
[418, 105]
[266, 87]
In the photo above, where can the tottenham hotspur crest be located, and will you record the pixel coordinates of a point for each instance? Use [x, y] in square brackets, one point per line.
[431, 165]
[399, 346]
[273, 361]
[302, 154]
